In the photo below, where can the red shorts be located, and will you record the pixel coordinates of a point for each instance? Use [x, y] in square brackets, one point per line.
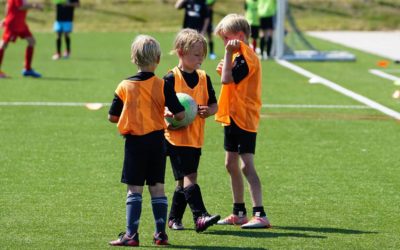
[12, 35]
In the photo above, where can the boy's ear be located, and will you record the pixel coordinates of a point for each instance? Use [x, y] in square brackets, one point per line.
[242, 36]
[180, 52]
[158, 59]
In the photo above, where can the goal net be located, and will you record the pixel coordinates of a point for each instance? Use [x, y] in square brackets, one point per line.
[291, 44]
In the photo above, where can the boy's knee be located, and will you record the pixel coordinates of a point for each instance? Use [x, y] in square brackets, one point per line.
[157, 190]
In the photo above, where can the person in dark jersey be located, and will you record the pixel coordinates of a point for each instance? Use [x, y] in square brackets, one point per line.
[196, 14]
[63, 26]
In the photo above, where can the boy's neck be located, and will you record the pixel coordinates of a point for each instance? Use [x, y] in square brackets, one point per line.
[180, 66]
[149, 69]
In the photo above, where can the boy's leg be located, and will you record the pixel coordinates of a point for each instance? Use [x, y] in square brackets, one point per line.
[159, 204]
[232, 166]
[67, 44]
[201, 218]
[58, 43]
[193, 196]
[29, 52]
[3, 46]
[178, 206]
[238, 215]
[259, 219]
[133, 209]
[249, 171]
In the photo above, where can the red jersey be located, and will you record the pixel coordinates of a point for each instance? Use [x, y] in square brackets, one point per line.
[15, 18]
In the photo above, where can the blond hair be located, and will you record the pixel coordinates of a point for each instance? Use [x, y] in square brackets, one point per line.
[145, 51]
[186, 39]
[233, 23]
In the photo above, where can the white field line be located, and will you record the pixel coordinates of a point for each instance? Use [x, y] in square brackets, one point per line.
[384, 75]
[341, 90]
[81, 104]
[312, 106]
[50, 104]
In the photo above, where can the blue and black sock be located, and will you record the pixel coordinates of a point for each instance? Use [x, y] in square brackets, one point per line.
[160, 209]
[133, 212]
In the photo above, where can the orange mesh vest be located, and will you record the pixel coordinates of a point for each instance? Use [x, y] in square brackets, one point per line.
[192, 135]
[242, 101]
[144, 103]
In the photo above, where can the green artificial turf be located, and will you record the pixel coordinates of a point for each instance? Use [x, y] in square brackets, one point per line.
[330, 176]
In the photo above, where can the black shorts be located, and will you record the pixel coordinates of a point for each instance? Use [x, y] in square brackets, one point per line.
[267, 23]
[254, 31]
[184, 160]
[239, 140]
[145, 159]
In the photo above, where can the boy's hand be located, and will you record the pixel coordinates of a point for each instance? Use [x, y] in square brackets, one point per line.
[167, 113]
[203, 111]
[232, 46]
[219, 66]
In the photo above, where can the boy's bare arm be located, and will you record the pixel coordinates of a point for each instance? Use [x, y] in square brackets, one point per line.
[206, 111]
[230, 48]
[179, 4]
[113, 118]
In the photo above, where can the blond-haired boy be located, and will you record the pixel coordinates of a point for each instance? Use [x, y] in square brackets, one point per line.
[138, 109]
[184, 145]
[239, 112]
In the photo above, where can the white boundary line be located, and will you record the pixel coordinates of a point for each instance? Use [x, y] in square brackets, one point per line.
[340, 89]
[81, 104]
[50, 104]
[313, 106]
[384, 75]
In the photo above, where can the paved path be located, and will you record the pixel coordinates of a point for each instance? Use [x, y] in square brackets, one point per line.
[381, 43]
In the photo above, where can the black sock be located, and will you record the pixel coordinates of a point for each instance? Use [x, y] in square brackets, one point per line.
[262, 45]
[239, 209]
[259, 211]
[68, 44]
[195, 200]
[211, 45]
[58, 45]
[178, 204]
[269, 45]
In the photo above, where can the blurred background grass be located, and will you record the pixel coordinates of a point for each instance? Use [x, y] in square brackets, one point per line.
[160, 15]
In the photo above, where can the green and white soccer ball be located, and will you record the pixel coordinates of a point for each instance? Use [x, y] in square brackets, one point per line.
[191, 108]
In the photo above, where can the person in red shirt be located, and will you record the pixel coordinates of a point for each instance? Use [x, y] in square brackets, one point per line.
[15, 26]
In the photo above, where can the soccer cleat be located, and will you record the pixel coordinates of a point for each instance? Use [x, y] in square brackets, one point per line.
[233, 219]
[160, 239]
[66, 55]
[175, 224]
[125, 240]
[56, 56]
[31, 72]
[257, 222]
[2, 74]
[205, 221]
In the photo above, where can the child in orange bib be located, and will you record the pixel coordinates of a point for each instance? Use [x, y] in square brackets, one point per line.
[239, 111]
